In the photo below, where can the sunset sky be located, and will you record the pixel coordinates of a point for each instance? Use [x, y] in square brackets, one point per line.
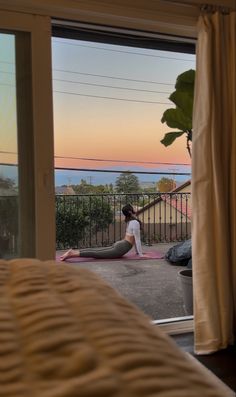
[108, 103]
[8, 131]
[117, 128]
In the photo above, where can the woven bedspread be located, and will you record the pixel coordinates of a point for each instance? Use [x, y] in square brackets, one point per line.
[66, 333]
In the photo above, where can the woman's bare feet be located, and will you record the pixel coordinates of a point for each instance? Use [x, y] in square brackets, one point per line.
[68, 254]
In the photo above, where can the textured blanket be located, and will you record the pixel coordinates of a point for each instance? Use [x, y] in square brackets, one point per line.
[65, 333]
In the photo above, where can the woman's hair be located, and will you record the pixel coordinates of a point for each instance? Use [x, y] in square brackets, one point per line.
[129, 213]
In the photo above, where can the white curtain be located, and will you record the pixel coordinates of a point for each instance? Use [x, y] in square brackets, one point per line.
[214, 183]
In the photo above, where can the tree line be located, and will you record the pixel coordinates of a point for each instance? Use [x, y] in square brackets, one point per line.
[127, 182]
[77, 217]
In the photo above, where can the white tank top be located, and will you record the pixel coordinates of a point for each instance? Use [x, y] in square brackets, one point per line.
[133, 229]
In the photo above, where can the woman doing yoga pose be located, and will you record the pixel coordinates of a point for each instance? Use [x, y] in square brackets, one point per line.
[118, 249]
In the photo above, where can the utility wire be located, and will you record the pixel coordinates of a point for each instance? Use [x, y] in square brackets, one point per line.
[102, 97]
[122, 51]
[103, 76]
[112, 171]
[118, 161]
[111, 86]
[107, 160]
[112, 77]
[112, 98]
[105, 85]
[122, 171]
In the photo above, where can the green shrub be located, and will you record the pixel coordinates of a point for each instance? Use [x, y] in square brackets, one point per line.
[78, 216]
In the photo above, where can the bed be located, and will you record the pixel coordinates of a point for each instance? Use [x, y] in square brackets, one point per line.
[64, 332]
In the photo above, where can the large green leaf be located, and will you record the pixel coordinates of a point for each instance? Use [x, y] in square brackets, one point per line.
[185, 81]
[181, 116]
[175, 118]
[184, 101]
[170, 137]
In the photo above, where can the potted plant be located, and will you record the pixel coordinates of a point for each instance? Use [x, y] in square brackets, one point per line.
[180, 118]
[181, 254]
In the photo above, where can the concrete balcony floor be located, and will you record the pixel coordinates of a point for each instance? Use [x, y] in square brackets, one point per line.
[152, 285]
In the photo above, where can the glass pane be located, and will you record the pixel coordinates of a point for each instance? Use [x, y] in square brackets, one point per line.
[109, 101]
[8, 149]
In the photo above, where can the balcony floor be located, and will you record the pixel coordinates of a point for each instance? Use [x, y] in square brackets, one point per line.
[152, 285]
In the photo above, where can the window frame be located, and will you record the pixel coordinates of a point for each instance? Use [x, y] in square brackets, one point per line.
[35, 136]
[140, 39]
[36, 18]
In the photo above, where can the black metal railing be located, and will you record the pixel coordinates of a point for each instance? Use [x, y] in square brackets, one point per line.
[90, 220]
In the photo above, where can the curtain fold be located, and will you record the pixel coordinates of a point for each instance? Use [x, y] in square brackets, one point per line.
[214, 183]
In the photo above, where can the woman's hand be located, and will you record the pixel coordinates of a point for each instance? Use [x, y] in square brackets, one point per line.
[144, 255]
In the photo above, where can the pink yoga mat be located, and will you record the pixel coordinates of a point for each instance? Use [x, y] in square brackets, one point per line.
[127, 257]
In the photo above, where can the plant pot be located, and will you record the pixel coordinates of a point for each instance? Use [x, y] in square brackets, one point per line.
[186, 281]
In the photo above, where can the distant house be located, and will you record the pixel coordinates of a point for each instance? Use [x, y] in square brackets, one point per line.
[148, 185]
[64, 190]
[168, 216]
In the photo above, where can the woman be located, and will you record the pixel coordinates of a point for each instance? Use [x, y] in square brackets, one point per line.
[118, 249]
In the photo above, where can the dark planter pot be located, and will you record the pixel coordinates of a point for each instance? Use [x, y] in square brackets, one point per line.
[186, 281]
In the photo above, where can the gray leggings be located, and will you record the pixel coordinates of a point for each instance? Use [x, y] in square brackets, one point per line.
[117, 250]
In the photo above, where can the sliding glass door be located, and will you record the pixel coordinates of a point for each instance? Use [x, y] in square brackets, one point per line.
[9, 176]
[110, 94]
[26, 137]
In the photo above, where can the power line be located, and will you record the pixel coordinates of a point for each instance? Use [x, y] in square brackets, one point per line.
[122, 51]
[101, 85]
[112, 77]
[103, 97]
[112, 98]
[111, 171]
[122, 171]
[103, 76]
[105, 85]
[119, 161]
[111, 86]
[107, 160]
